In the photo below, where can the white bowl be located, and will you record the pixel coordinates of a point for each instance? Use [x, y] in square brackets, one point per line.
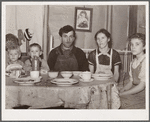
[66, 74]
[76, 73]
[53, 74]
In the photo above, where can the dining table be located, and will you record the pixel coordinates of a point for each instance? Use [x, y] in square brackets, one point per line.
[97, 94]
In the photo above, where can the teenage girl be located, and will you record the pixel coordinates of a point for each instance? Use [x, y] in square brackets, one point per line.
[104, 59]
[133, 93]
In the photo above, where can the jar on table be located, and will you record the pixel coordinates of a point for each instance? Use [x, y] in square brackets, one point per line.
[35, 64]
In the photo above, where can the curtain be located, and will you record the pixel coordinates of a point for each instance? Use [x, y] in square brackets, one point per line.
[26, 16]
[132, 19]
[46, 33]
[109, 18]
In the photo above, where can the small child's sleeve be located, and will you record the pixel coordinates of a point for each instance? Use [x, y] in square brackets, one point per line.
[21, 63]
[27, 66]
[44, 65]
[23, 66]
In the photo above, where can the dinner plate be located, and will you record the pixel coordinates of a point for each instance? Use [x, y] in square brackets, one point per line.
[101, 78]
[27, 80]
[64, 82]
[101, 75]
[86, 80]
[105, 75]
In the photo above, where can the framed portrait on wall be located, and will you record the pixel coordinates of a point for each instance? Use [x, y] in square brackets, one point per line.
[83, 19]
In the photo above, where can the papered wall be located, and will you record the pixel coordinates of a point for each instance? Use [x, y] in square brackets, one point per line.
[63, 15]
[25, 16]
[22, 17]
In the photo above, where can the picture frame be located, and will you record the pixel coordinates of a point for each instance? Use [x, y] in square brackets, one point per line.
[83, 19]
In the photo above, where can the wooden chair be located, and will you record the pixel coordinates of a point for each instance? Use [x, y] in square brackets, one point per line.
[126, 58]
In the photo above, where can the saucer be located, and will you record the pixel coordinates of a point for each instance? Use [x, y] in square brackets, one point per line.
[86, 80]
[30, 82]
[64, 82]
[27, 80]
[101, 78]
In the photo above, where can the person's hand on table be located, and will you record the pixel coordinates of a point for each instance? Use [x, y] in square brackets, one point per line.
[23, 72]
[43, 71]
[12, 73]
[121, 91]
[119, 87]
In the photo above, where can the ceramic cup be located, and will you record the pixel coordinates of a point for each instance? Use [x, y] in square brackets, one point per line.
[34, 74]
[86, 75]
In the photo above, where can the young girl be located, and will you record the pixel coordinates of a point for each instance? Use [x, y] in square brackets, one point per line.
[104, 59]
[133, 93]
[14, 63]
[35, 50]
[11, 42]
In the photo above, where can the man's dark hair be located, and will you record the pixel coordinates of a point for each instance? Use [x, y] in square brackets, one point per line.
[67, 29]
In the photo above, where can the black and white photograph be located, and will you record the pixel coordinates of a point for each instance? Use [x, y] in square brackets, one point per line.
[75, 60]
[83, 19]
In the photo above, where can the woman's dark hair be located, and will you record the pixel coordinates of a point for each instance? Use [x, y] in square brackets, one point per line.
[67, 29]
[12, 41]
[138, 36]
[104, 31]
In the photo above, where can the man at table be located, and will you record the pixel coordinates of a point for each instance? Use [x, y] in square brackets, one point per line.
[67, 57]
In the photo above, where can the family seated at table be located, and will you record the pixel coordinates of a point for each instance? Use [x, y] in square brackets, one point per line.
[104, 59]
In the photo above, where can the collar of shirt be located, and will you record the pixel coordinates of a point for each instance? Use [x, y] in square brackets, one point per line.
[106, 53]
[65, 49]
[16, 62]
[136, 61]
